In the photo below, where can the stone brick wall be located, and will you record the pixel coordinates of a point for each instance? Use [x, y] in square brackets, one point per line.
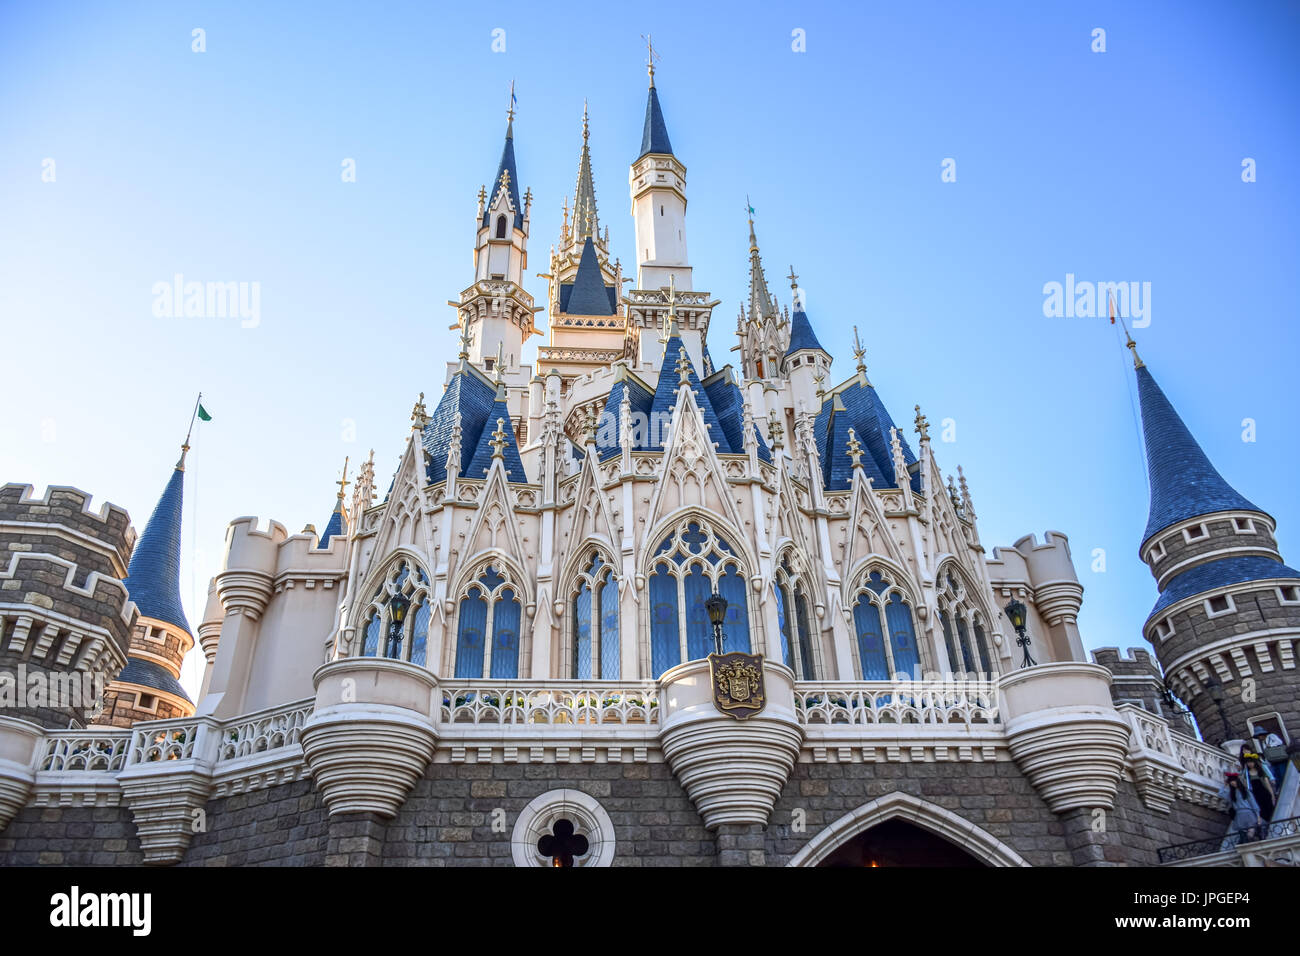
[1139, 832]
[278, 826]
[70, 836]
[447, 819]
[993, 795]
[1222, 534]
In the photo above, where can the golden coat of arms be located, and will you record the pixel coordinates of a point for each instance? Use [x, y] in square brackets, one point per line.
[738, 688]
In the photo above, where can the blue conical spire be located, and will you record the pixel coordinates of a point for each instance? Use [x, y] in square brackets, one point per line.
[1183, 482]
[801, 333]
[589, 295]
[153, 578]
[654, 137]
[507, 166]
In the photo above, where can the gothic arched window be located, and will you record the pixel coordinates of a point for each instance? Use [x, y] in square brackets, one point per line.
[501, 227]
[798, 641]
[688, 565]
[882, 619]
[962, 624]
[595, 652]
[397, 621]
[489, 608]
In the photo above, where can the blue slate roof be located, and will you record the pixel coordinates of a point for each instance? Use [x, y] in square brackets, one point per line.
[469, 394]
[482, 460]
[333, 526]
[153, 578]
[639, 398]
[1183, 482]
[588, 295]
[665, 399]
[1215, 574]
[654, 137]
[148, 674]
[507, 165]
[801, 334]
[859, 406]
[729, 404]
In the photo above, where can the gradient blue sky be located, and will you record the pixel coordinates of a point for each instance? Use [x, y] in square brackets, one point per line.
[225, 166]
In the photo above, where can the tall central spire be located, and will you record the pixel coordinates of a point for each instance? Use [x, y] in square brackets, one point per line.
[761, 304]
[585, 222]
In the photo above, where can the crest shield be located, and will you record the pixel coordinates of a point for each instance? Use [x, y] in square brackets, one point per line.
[738, 687]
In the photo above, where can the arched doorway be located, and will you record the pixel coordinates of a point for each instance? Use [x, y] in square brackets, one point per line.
[931, 820]
[899, 843]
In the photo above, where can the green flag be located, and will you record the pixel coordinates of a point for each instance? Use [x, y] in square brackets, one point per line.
[203, 414]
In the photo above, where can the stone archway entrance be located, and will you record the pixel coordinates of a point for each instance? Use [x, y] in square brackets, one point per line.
[933, 822]
[899, 843]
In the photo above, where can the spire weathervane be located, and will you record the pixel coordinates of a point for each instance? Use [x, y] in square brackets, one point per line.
[343, 482]
[501, 365]
[466, 340]
[858, 353]
[510, 111]
[1128, 339]
[794, 286]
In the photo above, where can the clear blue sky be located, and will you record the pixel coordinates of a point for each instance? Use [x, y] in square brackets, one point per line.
[225, 166]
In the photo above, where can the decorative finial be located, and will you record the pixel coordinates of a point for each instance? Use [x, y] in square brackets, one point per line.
[775, 429]
[794, 279]
[922, 425]
[683, 368]
[510, 112]
[858, 353]
[967, 503]
[466, 340]
[584, 119]
[820, 379]
[854, 449]
[185, 449]
[343, 482]
[498, 441]
[953, 496]
[419, 414]
[501, 364]
[651, 56]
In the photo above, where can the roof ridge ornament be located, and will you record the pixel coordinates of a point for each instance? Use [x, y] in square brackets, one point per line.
[858, 353]
[342, 483]
[498, 441]
[854, 449]
[922, 425]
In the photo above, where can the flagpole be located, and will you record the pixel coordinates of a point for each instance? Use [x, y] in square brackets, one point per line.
[193, 415]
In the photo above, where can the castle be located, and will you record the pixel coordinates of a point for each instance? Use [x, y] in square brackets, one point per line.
[502, 657]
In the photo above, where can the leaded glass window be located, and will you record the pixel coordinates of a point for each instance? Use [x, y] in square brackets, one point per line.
[595, 652]
[797, 637]
[406, 639]
[964, 636]
[689, 564]
[886, 634]
[488, 627]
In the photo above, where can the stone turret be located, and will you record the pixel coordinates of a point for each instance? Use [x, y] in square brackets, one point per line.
[1227, 621]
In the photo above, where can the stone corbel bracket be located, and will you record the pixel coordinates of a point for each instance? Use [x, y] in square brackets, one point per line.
[20, 741]
[371, 734]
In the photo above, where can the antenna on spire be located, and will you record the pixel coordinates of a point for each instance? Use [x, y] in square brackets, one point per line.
[651, 56]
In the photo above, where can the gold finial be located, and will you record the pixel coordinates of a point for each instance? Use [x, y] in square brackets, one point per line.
[510, 112]
[820, 379]
[419, 414]
[584, 119]
[854, 449]
[858, 353]
[922, 425]
[343, 482]
[501, 365]
[498, 441]
[651, 56]
[794, 279]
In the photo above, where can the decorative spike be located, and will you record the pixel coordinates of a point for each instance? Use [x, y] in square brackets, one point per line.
[922, 425]
[967, 504]
[776, 430]
[419, 415]
[858, 353]
[498, 441]
[855, 450]
[342, 483]
[683, 368]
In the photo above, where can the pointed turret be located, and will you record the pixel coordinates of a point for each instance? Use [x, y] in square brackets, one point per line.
[338, 518]
[507, 177]
[658, 186]
[805, 363]
[763, 334]
[589, 295]
[1184, 484]
[153, 578]
[148, 687]
[1225, 624]
[654, 134]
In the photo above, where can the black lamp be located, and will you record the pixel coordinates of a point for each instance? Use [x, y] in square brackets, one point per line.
[1219, 695]
[1016, 612]
[397, 613]
[716, 605]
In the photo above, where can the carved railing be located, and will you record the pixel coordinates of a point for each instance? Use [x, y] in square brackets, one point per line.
[161, 740]
[556, 702]
[264, 731]
[96, 750]
[891, 703]
[1201, 758]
